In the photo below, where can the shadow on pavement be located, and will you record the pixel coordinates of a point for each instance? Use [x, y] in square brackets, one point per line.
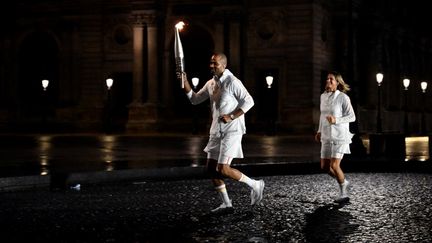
[329, 224]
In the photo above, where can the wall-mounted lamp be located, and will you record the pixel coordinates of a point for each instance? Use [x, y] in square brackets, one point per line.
[423, 86]
[379, 78]
[45, 84]
[406, 83]
[269, 81]
[109, 83]
[195, 82]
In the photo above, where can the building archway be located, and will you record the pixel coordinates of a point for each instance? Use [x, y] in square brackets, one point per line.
[266, 100]
[38, 59]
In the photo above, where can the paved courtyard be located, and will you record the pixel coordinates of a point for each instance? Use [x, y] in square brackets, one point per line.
[384, 207]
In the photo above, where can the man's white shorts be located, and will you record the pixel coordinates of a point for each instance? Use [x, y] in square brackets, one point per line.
[330, 150]
[224, 148]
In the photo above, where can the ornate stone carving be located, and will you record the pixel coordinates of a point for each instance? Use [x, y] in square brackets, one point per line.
[141, 18]
[137, 19]
[118, 34]
[265, 27]
[122, 34]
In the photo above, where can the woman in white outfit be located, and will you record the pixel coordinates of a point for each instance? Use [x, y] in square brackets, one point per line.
[333, 132]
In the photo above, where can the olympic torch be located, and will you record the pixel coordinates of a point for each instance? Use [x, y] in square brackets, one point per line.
[178, 51]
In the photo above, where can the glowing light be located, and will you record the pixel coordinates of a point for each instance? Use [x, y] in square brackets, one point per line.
[195, 82]
[269, 80]
[109, 82]
[423, 86]
[379, 78]
[45, 84]
[180, 25]
[406, 83]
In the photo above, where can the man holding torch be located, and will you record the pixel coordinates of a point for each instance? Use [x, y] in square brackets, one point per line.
[229, 101]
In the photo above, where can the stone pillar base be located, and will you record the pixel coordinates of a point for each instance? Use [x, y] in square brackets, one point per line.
[142, 118]
[387, 145]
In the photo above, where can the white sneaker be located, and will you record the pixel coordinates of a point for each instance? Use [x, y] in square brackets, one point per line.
[257, 193]
[342, 200]
[343, 197]
[344, 189]
[223, 208]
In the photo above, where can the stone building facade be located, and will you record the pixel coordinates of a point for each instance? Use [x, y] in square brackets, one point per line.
[77, 45]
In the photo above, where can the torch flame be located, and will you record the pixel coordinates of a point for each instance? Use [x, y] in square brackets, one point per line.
[180, 25]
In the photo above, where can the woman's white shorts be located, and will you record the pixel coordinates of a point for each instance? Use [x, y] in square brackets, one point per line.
[225, 148]
[330, 150]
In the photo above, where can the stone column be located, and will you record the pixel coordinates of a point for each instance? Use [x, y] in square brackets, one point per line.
[152, 57]
[143, 116]
[228, 33]
[235, 45]
[219, 37]
[138, 27]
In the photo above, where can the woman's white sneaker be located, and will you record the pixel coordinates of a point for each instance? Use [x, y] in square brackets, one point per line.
[257, 193]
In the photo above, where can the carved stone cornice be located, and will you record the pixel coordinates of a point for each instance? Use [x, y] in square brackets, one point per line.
[151, 19]
[230, 12]
[142, 18]
[137, 20]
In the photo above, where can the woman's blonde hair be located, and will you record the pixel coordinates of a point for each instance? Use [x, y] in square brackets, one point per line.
[342, 86]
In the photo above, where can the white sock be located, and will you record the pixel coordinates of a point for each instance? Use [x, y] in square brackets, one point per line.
[250, 182]
[344, 182]
[223, 193]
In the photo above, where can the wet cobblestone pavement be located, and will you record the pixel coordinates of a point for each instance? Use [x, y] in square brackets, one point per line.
[384, 207]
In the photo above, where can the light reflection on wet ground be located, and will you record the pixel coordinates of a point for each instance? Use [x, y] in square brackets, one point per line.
[45, 154]
[417, 148]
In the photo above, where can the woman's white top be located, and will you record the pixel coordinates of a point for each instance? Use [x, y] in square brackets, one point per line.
[337, 104]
